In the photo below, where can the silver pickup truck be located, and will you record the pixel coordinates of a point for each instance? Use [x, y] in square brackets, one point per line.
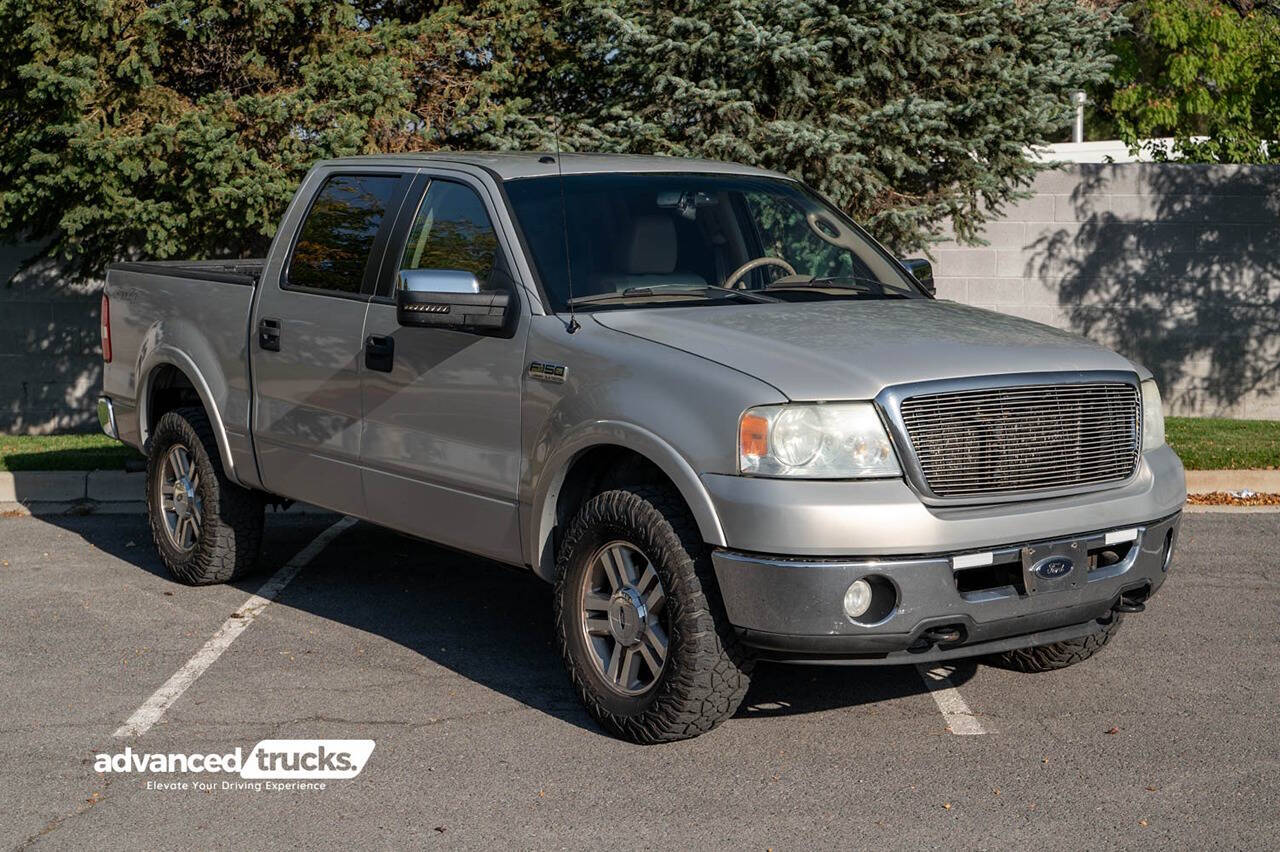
[716, 414]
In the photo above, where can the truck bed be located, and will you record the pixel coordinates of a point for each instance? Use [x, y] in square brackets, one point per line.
[184, 317]
[223, 271]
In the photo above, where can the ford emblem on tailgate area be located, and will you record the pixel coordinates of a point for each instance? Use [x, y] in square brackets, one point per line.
[1053, 567]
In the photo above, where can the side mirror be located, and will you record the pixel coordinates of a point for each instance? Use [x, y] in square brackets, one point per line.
[922, 270]
[448, 298]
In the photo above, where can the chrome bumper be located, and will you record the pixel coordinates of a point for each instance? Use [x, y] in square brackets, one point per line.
[107, 417]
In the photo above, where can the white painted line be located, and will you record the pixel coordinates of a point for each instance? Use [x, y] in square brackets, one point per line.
[1120, 536]
[972, 560]
[960, 719]
[162, 699]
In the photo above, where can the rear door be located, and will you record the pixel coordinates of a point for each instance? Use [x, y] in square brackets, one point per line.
[306, 336]
[441, 446]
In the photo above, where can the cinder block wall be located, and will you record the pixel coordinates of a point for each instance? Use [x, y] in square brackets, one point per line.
[50, 361]
[1176, 266]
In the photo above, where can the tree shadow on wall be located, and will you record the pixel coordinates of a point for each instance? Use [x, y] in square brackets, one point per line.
[1177, 267]
[50, 358]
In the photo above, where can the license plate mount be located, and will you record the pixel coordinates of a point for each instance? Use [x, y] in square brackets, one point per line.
[1054, 567]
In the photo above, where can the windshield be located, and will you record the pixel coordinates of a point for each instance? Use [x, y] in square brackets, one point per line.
[654, 240]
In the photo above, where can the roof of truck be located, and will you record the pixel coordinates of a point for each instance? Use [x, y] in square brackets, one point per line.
[511, 165]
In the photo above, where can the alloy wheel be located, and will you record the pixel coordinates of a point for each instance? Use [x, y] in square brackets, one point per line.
[623, 618]
[181, 507]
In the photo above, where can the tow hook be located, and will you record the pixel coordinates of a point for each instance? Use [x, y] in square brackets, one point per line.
[1128, 604]
[942, 635]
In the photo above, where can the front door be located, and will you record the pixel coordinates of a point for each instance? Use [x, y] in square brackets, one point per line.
[441, 444]
[307, 345]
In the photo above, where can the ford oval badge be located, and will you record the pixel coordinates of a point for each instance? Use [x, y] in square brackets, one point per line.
[1053, 568]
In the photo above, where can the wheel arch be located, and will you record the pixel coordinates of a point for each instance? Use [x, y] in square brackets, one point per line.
[611, 454]
[170, 378]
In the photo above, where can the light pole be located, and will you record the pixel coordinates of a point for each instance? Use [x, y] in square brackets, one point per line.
[1078, 98]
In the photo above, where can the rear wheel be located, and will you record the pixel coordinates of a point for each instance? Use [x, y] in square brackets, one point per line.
[206, 528]
[640, 622]
[1057, 655]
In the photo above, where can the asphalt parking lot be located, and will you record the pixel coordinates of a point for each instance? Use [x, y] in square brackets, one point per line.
[1166, 739]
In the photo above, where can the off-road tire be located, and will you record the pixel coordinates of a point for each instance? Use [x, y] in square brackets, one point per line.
[707, 671]
[1058, 655]
[231, 533]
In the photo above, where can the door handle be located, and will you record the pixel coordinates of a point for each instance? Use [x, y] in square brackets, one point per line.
[379, 353]
[269, 335]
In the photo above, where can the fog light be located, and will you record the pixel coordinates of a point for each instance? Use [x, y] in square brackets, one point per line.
[857, 599]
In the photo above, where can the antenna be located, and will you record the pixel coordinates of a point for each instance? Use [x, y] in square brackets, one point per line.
[564, 230]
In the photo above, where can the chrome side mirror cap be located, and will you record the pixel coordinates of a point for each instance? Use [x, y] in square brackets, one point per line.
[921, 270]
[437, 281]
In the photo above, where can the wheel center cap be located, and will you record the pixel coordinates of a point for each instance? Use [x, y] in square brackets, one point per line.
[627, 615]
[183, 497]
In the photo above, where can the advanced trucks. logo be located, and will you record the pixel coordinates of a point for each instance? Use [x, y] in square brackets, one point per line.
[269, 759]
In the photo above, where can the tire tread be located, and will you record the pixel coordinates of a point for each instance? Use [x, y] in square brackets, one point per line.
[1057, 655]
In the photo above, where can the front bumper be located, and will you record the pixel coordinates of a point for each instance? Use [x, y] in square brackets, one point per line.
[792, 607]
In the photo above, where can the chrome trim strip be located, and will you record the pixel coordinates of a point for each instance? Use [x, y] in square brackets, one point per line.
[889, 402]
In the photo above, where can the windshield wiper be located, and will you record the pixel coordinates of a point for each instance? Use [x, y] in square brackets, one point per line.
[856, 283]
[705, 291]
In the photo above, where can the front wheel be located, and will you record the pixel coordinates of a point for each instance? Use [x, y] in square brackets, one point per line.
[1057, 655]
[640, 622]
[206, 528]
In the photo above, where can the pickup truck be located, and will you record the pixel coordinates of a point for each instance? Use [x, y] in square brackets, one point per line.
[720, 418]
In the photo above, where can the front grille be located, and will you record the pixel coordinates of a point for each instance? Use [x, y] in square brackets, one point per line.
[1027, 438]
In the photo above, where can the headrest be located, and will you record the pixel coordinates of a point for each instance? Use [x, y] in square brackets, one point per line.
[651, 249]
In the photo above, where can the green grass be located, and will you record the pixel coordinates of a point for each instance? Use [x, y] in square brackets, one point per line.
[1204, 443]
[1210, 443]
[63, 452]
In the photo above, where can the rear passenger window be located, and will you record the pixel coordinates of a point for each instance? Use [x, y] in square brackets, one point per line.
[334, 243]
[451, 231]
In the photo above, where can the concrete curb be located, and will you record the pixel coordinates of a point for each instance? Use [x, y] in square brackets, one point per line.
[1207, 481]
[98, 492]
[68, 486]
[1192, 509]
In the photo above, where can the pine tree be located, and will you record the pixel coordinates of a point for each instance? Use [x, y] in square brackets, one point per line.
[178, 128]
[181, 128]
[906, 114]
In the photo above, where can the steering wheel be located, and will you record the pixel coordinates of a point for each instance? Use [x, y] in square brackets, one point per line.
[732, 281]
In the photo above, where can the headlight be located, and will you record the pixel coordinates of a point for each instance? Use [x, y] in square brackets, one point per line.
[820, 441]
[1152, 416]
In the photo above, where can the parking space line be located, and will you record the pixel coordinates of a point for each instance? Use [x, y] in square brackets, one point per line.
[162, 699]
[960, 719]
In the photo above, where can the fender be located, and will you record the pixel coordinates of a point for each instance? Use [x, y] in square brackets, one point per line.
[162, 354]
[551, 478]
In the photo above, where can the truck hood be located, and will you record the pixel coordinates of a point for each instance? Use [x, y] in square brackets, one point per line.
[854, 349]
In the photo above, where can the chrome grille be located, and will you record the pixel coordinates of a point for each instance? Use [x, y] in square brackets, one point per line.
[1024, 438]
